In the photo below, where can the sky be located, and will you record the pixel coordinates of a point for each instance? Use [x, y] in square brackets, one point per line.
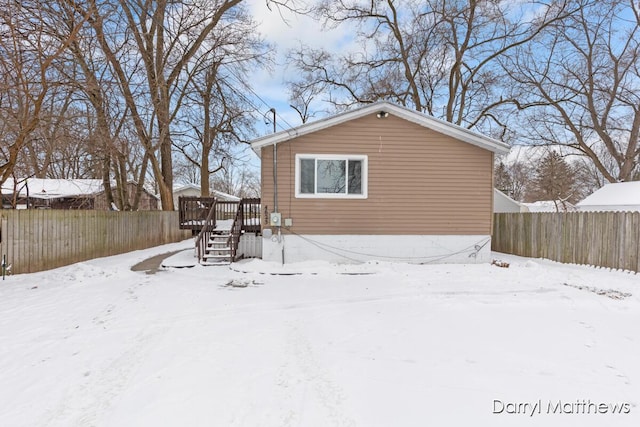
[270, 86]
[284, 30]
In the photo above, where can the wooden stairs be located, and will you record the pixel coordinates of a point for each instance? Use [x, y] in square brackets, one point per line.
[219, 234]
[218, 250]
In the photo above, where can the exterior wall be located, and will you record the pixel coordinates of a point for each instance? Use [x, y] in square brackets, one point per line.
[420, 182]
[184, 192]
[504, 204]
[358, 248]
[250, 246]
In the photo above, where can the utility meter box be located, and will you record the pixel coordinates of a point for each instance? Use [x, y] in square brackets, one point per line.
[275, 219]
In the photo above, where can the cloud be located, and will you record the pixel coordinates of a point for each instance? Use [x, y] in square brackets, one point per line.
[286, 30]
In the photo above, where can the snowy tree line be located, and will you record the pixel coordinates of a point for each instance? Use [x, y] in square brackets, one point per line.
[133, 90]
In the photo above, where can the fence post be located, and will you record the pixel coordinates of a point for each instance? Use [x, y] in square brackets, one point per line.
[4, 244]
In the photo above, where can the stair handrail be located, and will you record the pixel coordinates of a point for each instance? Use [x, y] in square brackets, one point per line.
[234, 233]
[206, 231]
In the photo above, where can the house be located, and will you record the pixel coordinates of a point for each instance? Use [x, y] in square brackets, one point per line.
[505, 204]
[620, 196]
[378, 182]
[550, 206]
[193, 190]
[84, 194]
[186, 190]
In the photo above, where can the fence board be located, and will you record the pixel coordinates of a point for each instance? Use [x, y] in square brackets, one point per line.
[604, 239]
[36, 240]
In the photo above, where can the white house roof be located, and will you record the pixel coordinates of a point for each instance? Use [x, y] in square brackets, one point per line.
[504, 203]
[225, 196]
[619, 196]
[182, 187]
[215, 193]
[54, 188]
[413, 116]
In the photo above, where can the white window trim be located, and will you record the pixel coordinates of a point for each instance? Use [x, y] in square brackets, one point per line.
[365, 176]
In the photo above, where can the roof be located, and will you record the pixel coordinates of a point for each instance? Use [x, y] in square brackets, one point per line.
[190, 185]
[619, 195]
[226, 196]
[501, 198]
[54, 188]
[413, 116]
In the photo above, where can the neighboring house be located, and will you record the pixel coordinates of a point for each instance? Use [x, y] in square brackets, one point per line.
[550, 206]
[505, 204]
[87, 194]
[378, 182]
[186, 190]
[193, 190]
[225, 197]
[621, 196]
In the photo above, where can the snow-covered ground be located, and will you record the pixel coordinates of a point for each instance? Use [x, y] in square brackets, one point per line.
[96, 344]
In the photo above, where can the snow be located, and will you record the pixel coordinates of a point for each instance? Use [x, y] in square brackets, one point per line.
[317, 344]
[54, 188]
[549, 206]
[224, 224]
[621, 196]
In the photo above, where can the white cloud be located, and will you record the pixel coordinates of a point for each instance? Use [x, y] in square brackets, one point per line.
[286, 30]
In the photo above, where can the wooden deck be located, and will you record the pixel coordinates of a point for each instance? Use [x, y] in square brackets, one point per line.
[193, 212]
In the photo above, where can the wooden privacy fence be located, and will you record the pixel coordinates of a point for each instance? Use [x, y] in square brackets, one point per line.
[604, 239]
[36, 240]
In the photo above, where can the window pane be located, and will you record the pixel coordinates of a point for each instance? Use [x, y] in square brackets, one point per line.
[355, 177]
[307, 176]
[331, 176]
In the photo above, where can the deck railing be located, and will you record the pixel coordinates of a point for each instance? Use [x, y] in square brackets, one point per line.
[193, 211]
[235, 232]
[207, 230]
[251, 211]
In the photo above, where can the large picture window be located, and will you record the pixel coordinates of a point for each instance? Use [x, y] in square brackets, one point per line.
[331, 176]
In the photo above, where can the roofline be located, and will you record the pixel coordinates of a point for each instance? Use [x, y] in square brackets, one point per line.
[416, 117]
[502, 193]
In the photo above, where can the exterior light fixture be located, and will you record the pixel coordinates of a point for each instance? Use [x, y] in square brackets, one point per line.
[382, 114]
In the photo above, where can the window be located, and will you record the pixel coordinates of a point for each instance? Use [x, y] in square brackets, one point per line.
[331, 176]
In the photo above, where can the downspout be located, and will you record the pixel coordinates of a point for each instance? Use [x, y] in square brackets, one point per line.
[275, 181]
[275, 165]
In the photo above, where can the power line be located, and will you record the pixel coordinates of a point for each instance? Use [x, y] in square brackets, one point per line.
[247, 87]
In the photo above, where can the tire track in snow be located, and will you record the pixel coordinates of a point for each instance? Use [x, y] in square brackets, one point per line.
[86, 403]
[317, 381]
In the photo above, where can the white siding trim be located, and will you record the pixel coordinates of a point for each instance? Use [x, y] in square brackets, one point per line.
[415, 249]
[421, 119]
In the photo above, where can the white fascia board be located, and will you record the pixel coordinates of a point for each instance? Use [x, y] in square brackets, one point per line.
[421, 119]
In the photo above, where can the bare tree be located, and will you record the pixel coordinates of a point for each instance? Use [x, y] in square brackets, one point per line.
[584, 91]
[513, 178]
[217, 113]
[150, 46]
[27, 58]
[238, 181]
[436, 56]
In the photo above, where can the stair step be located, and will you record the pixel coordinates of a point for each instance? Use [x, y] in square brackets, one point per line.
[214, 263]
[215, 256]
[219, 236]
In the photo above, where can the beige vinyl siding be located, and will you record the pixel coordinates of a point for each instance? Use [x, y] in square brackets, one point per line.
[419, 181]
